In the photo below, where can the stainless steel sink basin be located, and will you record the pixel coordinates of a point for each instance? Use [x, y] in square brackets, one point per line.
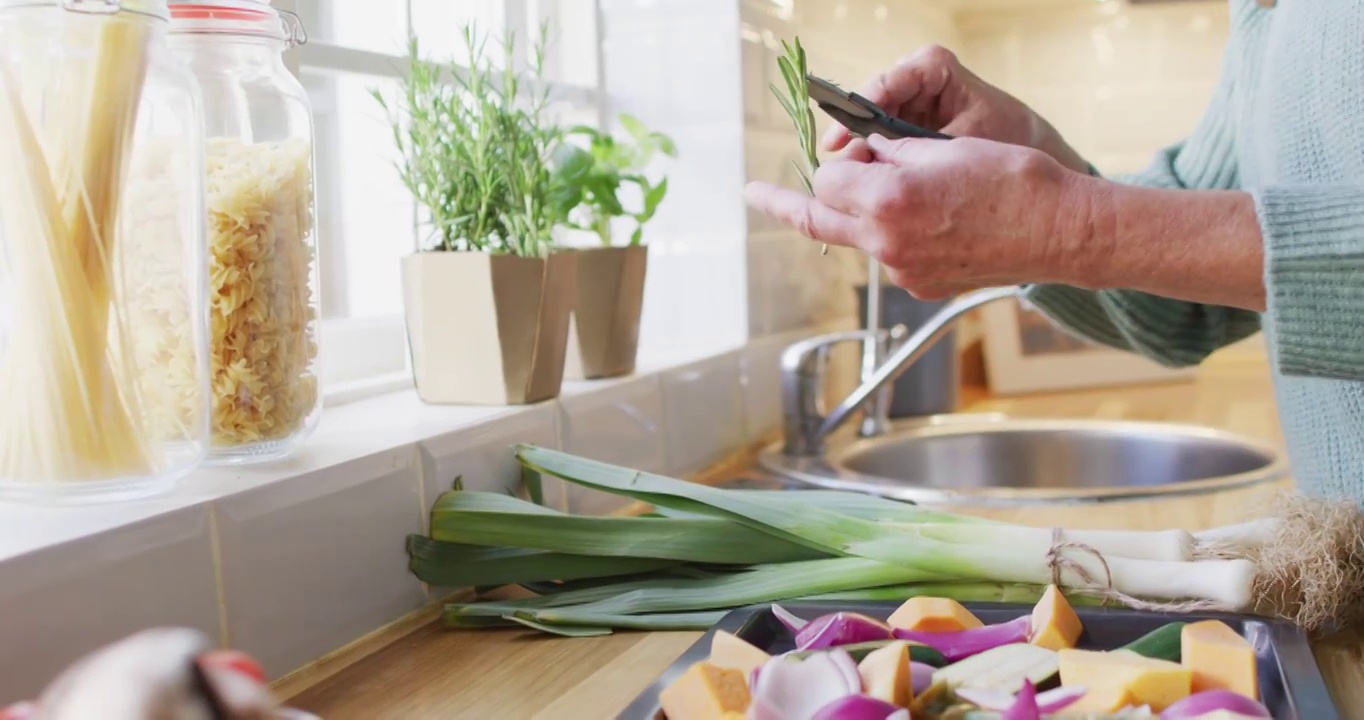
[991, 460]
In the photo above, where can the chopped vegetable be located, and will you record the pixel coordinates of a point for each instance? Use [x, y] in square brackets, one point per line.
[920, 677]
[842, 628]
[1003, 669]
[1024, 707]
[932, 614]
[860, 707]
[1054, 624]
[965, 643]
[1220, 658]
[1105, 700]
[1163, 643]
[792, 623]
[789, 689]
[1200, 705]
[921, 654]
[705, 692]
[886, 674]
[1048, 702]
[732, 652]
[1158, 683]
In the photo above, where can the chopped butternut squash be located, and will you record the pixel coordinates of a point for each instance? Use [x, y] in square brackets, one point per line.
[1108, 699]
[1157, 683]
[731, 651]
[932, 614]
[706, 692]
[1055, 625]
[885, 674]
[1220, 658]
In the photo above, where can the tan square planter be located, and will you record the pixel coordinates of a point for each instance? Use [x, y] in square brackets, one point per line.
[487, 329]
[603, 338]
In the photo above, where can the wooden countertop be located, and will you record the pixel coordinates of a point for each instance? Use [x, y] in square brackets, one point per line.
[508, 675]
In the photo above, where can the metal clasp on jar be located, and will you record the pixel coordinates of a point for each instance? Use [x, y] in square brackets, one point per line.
[294, 31]
[93, 7]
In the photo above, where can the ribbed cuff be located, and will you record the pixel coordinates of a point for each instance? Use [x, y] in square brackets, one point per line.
[1314, 277]
[1074, 310]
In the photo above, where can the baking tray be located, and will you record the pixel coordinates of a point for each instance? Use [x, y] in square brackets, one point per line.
[1291, 686]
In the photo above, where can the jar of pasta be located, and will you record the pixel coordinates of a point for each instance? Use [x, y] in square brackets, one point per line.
[262, 238]
[103, 345]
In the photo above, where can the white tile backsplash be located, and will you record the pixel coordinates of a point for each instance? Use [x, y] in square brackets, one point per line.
[482, 455]
[620, 423]
[1119, 82]
[703, 404]
[64, 601]
[316, 561]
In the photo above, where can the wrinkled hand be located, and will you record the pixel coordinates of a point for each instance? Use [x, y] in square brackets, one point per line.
[943, 217]
[932, 89]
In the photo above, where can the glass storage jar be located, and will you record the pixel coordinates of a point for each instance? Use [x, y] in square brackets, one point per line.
[103, 310]
[262, 240]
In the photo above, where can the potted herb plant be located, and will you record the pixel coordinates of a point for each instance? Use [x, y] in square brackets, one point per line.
[592, 181]
[487, 300]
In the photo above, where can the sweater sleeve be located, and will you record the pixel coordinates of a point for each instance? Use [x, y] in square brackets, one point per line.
[1171, 332]
[1314, 276]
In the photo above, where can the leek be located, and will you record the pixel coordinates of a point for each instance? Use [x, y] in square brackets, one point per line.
[994, 554]
[678, 567]
[453, 565]
[491, 519]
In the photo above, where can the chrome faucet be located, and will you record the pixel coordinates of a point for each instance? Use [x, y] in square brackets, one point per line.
[884, 359]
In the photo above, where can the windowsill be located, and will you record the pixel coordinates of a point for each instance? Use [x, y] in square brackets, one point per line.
[290, 560]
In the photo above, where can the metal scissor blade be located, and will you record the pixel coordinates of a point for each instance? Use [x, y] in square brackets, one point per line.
[861, 116]
[829, 95]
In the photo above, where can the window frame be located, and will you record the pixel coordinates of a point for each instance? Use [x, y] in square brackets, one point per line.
[367, 356]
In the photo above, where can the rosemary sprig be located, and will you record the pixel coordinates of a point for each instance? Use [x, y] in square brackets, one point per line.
[796, 103]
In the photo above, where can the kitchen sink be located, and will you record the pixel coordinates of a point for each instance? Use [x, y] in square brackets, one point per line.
[995, 460]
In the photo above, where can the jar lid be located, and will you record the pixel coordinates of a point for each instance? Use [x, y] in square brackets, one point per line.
[236, 17]
[155, 8]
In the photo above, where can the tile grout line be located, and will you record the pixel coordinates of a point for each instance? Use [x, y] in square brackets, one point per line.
[422, 512]
[216, 548]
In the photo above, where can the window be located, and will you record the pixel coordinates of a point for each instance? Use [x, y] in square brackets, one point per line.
[366, 218]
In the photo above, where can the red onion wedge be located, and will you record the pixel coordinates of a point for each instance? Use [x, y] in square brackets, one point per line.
[860, 707]
[1048, 702]
[787, 618]
[1024, 706]
[840, 628]
[964, 643]
[920, 677]
[1209, 701]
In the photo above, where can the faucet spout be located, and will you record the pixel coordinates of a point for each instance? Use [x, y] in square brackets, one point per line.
[806, 429]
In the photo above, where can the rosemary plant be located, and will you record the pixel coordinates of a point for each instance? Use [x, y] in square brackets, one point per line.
[796, 102]
[476, 147]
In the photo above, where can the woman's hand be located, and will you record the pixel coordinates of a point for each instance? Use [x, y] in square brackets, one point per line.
[932, 89]
[943, 217]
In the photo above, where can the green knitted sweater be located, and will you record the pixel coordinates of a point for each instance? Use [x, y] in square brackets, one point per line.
[1286, 125]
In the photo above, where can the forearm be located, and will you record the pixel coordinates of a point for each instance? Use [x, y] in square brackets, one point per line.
[1202, 246]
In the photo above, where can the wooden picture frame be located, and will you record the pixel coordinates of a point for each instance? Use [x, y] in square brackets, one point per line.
[1025, 353]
